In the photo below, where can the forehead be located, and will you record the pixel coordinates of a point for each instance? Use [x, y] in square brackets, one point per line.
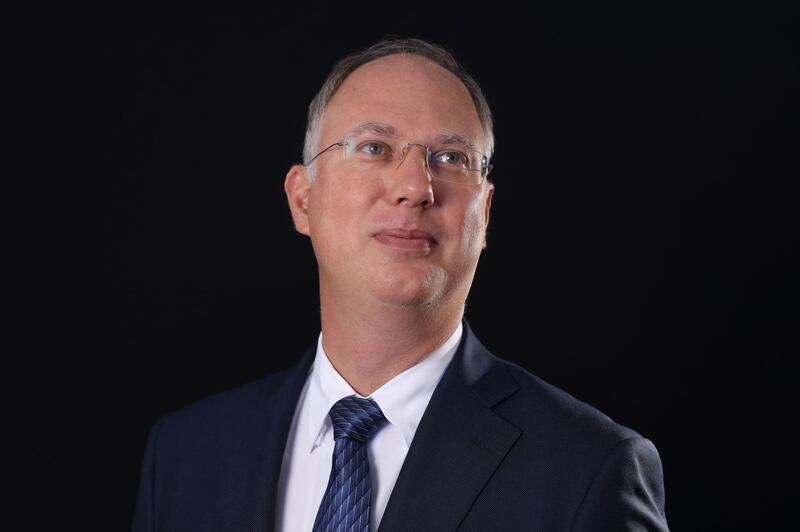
[416, 96]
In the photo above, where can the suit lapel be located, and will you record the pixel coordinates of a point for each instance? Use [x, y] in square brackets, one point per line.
[278, 406]
[459, 444]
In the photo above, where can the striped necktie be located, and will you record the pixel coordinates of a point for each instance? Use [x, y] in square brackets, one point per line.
[345, 506]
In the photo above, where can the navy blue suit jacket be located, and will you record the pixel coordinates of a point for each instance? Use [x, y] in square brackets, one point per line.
[497, 449]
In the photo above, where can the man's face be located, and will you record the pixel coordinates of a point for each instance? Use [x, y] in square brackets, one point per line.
[400, 238]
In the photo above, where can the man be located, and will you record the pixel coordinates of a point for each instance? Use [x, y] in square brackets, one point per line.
[398, 419]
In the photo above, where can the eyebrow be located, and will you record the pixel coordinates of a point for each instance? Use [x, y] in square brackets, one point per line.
[456, 138]
[388, 130]
[374, 127]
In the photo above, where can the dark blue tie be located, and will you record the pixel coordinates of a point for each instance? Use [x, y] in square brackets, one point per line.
[345, 506]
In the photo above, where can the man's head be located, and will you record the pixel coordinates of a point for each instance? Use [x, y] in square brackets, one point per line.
[384, 226]
[346, 66]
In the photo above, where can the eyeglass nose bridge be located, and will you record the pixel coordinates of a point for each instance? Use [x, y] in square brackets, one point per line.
[404, 152]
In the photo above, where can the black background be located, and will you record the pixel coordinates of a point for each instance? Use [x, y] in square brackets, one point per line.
[641, 248]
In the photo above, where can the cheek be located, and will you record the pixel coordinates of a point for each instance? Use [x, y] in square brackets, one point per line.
[470, 229]
[337, 208]
[473, 234]
[475, 221]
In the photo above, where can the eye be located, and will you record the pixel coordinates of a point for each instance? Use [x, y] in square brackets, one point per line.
[373, 148]
[452, 158]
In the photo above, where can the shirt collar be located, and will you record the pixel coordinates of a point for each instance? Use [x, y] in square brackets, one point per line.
[402, 400]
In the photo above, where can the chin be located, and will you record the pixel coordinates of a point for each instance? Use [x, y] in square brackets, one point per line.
[410, 290]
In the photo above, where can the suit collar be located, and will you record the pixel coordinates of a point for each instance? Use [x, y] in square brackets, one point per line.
[459, 444]
[402, 399]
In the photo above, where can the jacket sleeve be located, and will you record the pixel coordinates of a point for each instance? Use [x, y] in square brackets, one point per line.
[627, 492]
[144, 513]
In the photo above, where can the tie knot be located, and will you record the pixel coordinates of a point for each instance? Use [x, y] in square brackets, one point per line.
[356, 418]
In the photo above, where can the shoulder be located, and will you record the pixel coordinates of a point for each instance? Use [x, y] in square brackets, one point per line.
[224, 414]
[595, 469]
[545, 413]
[537, 401]
[583, 469]
[223, 442]
[557, 428]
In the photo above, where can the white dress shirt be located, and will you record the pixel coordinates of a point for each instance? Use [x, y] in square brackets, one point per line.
[309, 448]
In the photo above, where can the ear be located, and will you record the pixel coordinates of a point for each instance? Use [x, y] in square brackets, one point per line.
[487, 208]
[298, 189]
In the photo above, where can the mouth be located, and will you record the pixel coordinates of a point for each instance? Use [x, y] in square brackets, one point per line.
[406, 239]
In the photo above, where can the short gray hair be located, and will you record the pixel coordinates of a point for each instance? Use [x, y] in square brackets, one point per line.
[384, 48]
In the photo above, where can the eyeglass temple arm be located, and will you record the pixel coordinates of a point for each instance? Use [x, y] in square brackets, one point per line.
[323, 151]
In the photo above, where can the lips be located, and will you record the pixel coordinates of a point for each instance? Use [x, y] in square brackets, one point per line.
[410, 239]
[410, 234]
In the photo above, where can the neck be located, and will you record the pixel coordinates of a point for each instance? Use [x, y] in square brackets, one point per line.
[370, 344]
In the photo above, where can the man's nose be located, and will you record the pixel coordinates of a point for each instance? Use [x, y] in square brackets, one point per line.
[410, 181]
